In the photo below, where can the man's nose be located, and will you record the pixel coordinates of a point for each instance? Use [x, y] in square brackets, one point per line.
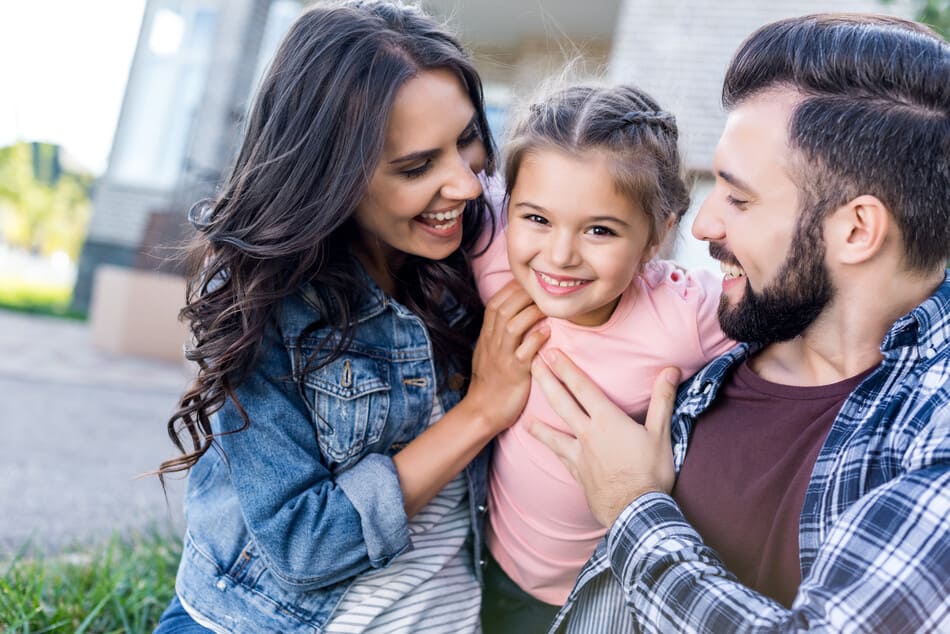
[708, 224]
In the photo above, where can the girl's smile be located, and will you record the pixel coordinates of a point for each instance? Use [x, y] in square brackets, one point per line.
[574, 242]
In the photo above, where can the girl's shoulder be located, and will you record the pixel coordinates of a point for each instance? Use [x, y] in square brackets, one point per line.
[665, 277]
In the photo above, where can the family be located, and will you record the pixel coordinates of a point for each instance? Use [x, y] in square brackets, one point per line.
[438, 393]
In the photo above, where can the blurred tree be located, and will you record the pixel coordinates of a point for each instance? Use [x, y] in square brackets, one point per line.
[43, 208]
[936, 13]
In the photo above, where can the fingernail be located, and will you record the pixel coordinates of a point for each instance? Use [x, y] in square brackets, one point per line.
[550, 355]
[672, 376]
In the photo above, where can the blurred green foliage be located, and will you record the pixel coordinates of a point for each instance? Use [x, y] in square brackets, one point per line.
[936, 13]
[43, 208]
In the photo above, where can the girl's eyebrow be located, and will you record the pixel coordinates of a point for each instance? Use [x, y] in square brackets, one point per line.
[614, 219]
[525, 203]
[431, 153]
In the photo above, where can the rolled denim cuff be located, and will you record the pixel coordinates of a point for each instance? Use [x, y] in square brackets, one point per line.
[372, 486]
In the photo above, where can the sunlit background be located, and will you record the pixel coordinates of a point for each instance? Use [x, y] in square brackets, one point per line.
[117, 114]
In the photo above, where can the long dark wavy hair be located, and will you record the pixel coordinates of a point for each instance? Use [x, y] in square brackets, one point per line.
[284, 216]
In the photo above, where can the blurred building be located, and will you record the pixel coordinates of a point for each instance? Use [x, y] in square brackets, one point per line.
[196, 65]
[679, 51]
[198, 61]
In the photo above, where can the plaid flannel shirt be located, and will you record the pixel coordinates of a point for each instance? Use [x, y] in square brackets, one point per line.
[874, 535]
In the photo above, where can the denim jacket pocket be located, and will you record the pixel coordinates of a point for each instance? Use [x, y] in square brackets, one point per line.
[349, 398]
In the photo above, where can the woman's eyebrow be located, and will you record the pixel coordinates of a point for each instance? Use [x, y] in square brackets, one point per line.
[419, 155]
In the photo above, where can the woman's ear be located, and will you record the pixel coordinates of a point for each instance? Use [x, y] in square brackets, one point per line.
[858, 230]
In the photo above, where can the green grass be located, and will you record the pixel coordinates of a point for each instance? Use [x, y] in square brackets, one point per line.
[121, 586]
[38, 298]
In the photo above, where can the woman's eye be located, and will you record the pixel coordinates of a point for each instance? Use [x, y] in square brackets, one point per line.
[416, 172]
[598, 230]
[736, 202]
[470, 136]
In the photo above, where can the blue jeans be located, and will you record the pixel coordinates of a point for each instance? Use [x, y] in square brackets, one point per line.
[176, 621]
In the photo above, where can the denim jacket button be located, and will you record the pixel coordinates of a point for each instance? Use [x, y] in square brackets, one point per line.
[221, 584]
[482, 508]
[482, 563]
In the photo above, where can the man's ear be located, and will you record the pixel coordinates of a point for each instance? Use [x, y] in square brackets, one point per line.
[857, 231]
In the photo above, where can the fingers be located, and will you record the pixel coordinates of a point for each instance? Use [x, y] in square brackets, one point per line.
[563, 445]
[558, 397]
[585, 391]
[660, 412]
[532, 343]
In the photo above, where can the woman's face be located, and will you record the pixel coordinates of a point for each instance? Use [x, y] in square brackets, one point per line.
[426, 174]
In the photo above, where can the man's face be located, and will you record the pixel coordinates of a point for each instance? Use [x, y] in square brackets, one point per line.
[771, 251]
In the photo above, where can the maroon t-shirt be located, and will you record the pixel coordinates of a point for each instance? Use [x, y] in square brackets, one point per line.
[742, 484]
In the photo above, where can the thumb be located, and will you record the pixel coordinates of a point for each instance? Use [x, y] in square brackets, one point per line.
[660, 411]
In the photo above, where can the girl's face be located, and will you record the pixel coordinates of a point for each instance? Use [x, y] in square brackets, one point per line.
[575, 242]
[426, 174]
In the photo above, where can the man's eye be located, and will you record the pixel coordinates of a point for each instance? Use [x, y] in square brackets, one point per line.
[736, 202]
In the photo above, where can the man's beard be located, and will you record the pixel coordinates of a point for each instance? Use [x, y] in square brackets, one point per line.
[786, 307]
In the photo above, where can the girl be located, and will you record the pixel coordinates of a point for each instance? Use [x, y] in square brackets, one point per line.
[336, 483]
[594, 186]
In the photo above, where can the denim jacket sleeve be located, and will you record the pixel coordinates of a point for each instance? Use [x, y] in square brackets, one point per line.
[313, 528]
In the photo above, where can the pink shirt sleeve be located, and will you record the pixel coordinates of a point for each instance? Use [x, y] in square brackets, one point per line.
[699, 291]
[712, 340]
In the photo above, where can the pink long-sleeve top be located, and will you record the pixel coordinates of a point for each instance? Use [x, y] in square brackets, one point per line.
[540, 529]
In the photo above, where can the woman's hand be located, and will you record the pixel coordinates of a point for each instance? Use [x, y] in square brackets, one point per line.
[501, 366]
[501, 380]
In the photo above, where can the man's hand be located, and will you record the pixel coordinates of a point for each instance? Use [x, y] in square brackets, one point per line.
[615, 459]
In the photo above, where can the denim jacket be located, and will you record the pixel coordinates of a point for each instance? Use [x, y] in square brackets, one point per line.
[283, 515]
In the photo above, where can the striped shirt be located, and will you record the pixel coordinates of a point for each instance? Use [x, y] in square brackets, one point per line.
[430, 588]
[874, 534]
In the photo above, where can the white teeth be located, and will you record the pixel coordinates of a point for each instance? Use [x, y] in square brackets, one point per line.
[445, 215]
[731, 270]
[447, 225]
[562, 283]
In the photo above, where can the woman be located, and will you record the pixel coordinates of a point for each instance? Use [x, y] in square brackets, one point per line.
[334, 314]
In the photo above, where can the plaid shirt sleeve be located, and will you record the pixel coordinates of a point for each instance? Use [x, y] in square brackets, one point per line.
[884, 566]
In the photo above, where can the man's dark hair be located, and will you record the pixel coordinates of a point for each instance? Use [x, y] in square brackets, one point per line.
[874, 117]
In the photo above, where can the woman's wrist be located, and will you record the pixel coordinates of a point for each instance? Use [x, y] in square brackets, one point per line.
[486, 414]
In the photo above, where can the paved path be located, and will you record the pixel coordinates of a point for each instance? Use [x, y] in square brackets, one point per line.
[77, 425]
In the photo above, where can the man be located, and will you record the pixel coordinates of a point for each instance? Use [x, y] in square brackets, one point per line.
[815, 493]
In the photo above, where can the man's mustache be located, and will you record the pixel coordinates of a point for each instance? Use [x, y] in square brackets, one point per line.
[718, 251]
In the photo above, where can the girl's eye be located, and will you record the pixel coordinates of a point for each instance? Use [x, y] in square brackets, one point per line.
[541, 220]
[599, 230]
[736, 202]
[416, 172]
